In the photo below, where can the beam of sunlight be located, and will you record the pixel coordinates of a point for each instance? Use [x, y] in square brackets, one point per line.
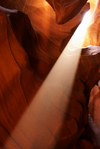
[78, 37]
[41, 123]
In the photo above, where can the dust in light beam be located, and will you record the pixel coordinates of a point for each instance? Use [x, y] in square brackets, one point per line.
[43, 118]
[79, 35]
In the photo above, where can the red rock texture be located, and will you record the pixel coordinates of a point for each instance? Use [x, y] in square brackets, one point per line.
[66, 10]
[33, 112]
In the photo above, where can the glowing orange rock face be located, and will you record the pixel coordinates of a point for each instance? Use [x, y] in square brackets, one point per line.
[40, 35]
[93, 31]
[29, 47]
[66, 10]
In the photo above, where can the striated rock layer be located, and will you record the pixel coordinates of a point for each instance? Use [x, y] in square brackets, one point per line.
[38, 113]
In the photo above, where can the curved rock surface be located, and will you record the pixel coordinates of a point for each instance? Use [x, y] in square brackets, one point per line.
[33, 111]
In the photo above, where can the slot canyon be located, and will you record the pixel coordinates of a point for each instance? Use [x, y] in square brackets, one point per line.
[49, 74]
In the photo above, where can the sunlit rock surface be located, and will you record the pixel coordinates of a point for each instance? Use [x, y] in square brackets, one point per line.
[66, 10]
[93, 31]
[32, 113]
